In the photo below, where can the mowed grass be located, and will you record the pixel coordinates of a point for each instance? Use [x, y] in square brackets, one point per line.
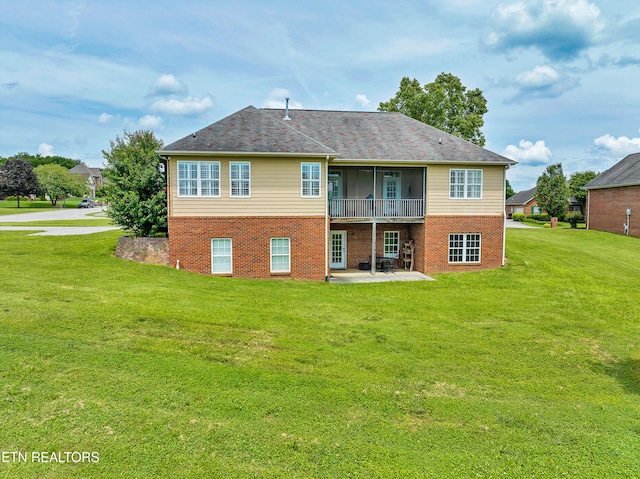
[532, 370]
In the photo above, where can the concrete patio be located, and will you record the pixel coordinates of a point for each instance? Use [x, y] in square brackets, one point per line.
[358, 276]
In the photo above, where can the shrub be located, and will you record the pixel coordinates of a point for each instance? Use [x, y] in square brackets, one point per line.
[539, 217]
[517, 217]
[547, 225]
[574, 218]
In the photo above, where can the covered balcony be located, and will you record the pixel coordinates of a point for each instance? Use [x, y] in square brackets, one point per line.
[376, 193]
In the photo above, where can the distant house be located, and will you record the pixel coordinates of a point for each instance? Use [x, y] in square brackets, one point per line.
[523, 202]
[267, 193]
[613, 198]
[92, 175]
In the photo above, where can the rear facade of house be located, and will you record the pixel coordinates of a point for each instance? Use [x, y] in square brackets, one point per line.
[296, 194]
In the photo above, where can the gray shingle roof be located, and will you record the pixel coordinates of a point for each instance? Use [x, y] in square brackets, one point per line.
[346, 134]
[624, 173]
[522, 197]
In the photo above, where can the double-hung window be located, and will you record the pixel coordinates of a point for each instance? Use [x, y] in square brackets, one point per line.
[465, 184]
[240, 172]
[310, 180]
[391, 244]
[280, 255]
[464, 248]
[198, 178]
[221, 261]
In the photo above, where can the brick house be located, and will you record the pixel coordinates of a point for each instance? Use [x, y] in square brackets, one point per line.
[613, 198]
[269, 193]
[523, 202]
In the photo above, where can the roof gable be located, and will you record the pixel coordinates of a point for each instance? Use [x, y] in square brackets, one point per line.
[522, 197]
[624, 173]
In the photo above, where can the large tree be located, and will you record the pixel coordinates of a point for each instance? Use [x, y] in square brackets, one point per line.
[576, 183]
[136, 184]
[17, 178]
[445, 104]
[56, 181]
[552, 192]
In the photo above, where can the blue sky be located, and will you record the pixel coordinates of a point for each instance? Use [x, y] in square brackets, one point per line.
[560, 76]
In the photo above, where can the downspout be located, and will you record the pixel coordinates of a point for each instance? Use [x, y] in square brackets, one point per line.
[588, 208]
[504, 219]
[327, 221]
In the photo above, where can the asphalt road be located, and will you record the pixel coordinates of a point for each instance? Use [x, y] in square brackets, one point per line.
[56, 214]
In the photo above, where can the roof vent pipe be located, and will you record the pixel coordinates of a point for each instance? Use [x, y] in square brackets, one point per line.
[286, 113]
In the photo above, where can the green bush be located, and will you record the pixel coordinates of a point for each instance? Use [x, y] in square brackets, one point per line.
[517, 217]
[574, 218]
[539, 217]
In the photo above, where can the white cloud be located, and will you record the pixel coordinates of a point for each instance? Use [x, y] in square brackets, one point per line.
[560, 29]
[543, 81]
[277, 99]
[621, 146]
[168, 85]
[539, 76]
[150, 121]
[184, 107]
[105, 118]
[532, 154]
[363, 100]
[45, 150]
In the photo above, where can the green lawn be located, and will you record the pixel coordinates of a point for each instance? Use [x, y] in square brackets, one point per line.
[532, 370]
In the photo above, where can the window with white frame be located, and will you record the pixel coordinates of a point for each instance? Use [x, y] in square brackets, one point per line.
[464, 248]
[198, 178]
[391, 244]
[280, 255]
[310, 180]
[221, 260]
[465, 184]
[240, 173]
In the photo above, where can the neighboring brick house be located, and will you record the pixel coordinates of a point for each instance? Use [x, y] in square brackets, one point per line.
[276, 193]
[613, 198]
[523, 202]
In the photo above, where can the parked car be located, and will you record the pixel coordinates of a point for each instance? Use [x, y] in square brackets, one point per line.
[86, 203]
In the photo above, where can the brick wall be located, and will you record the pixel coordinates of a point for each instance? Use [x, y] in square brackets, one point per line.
[435, 258]
[359, 240]
[190, 243]
[608, 209]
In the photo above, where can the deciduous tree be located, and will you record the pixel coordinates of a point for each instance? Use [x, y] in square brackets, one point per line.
[552, 193]
[445, 104]
[136, 184]
[508, 193]
[18, 178]
[577, 181]
[56, 181]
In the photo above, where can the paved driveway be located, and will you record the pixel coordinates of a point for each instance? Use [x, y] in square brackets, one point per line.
[57, 214]
[516, 224]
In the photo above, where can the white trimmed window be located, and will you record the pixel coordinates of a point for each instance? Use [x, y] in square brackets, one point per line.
[221, 259]
[465, 184]
[464, 248]
[240, 173]
[310, 180]
[391, 244]
[198, 178]
[280, 255]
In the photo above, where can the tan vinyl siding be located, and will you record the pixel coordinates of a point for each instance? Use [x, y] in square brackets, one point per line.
[439, 203]
[275, 190]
